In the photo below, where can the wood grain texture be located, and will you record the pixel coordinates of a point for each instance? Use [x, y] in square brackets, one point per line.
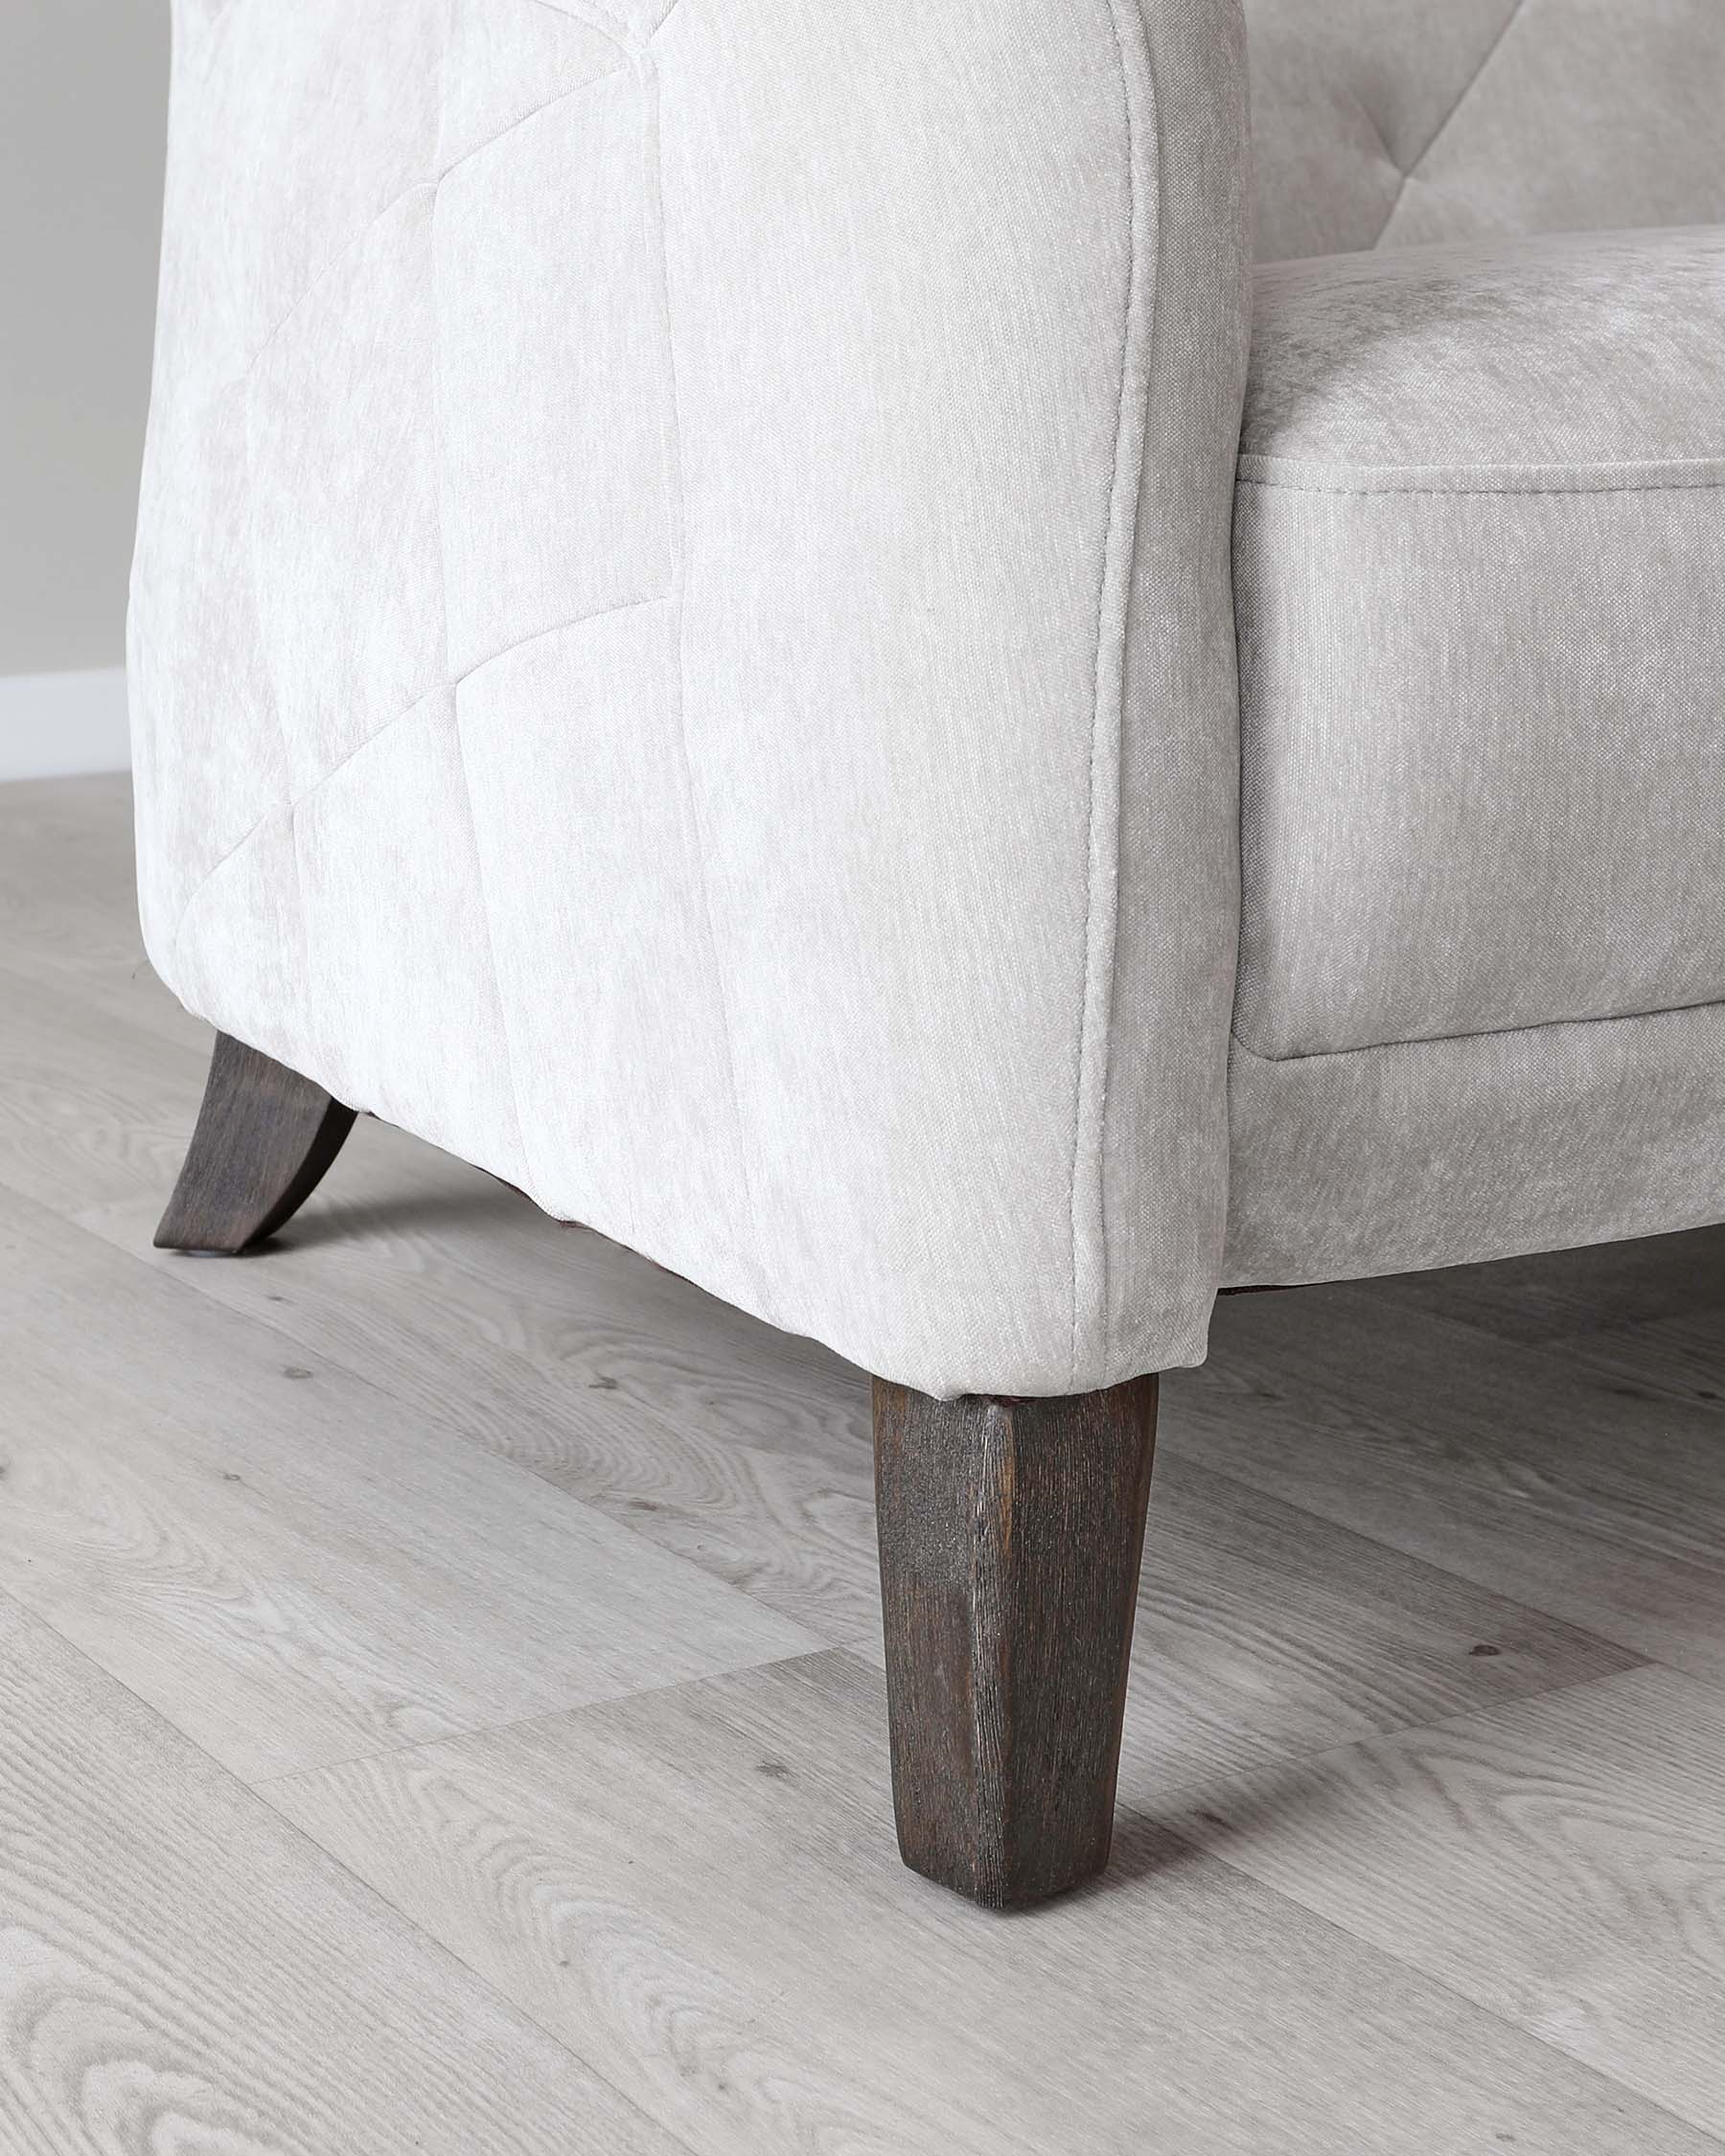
[698, 1891]
[1011, 1532]
[69, 904]
[1565, 1295]
[91, 1109]
[285, 1562]
[1263, 1632]
[696, 1885]
[180, 1971]
[264, 1139]
[1522, 1470]
[457, 1269]
[1680, 1359]
[1648, 1315]
[618, 1383]
[1559, 1860]
[68, 898]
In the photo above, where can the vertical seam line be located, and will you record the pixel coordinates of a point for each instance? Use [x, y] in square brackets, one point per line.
[767, 1304]
[440, 482]
[243, 391]
[1113, 613]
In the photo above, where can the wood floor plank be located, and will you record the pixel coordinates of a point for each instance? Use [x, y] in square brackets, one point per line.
[91, 1109]
[1261, 1630]
[1650, 1313]
[325, 1577]
[1560, 1860]
[181, 1971]
[1675, 1358]
[67, 889]
[437, 1242]
[1265, 1634]
[123, 989]
[68, 903]
[1562, 1295]
[282, 1559]
[575, 1359]
[698, 1892]
[1529, 1474]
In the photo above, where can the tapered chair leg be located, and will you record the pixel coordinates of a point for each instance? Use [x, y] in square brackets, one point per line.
[264, 1140]
[1011, 1533]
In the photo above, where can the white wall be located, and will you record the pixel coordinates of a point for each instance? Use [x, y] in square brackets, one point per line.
[83, 109]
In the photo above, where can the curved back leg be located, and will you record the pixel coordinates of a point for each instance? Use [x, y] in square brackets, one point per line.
[264, 1140]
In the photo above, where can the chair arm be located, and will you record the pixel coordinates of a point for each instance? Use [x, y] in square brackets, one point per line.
[959, 304]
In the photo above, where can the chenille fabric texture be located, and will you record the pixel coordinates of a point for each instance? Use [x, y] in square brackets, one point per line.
[684, 631]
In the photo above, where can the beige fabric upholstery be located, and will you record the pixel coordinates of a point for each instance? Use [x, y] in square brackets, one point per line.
[1433, 1153]
[1395, 122]
[1480, 554]
[683, 636]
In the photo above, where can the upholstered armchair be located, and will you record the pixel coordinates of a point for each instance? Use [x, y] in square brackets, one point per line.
[749, 614]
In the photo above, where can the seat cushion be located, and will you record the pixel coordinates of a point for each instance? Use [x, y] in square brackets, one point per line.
[1479, 565]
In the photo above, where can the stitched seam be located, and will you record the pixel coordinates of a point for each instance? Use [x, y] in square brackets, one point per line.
[439, 478]
[1444, 124]
[323, 778]
[215, 869]
[295, 802]
[434, 187]
[596, 19]
[666, 17]
[557, 628]
[491, 942]
[238, 390]
[1275, 467]
[1483, 1033]
[522, 119]
[766, 1303]
[360, 747]
[1096, 995]
[327, 269]
[301, 910]
[1390, 487]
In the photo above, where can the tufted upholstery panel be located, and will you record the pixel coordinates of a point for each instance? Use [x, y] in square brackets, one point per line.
[683, 637]
[1396, 122]
[670, 557]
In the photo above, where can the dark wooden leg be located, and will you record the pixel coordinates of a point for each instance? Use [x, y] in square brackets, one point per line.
[1010, 1532]
[264, 1137]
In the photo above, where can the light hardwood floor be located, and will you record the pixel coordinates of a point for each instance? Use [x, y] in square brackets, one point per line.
[441, 1710]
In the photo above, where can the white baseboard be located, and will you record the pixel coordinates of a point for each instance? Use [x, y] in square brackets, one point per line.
[54, 724]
